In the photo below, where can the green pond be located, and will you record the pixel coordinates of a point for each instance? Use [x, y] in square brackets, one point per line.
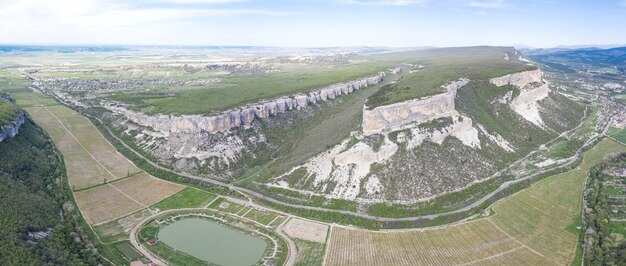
[212, 242]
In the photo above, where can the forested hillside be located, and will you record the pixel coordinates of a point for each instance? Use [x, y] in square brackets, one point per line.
[39, 225]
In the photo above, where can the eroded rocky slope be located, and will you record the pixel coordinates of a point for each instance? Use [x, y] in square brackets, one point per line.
[406, 151]
[421, 148]
[224, 145]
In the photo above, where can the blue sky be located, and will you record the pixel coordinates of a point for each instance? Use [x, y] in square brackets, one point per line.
[395, 23]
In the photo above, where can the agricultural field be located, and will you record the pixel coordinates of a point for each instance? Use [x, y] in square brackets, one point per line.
[618, 134]
[89, 158]
[267, 218]
[536, 226]
[93, 164]
[104, 203]
[129, 251]
[309, 253]
[117, 199]
[188, 197]
[146, 189]
[119, 230]
[306, 230]
[14, 84]
[263, 217]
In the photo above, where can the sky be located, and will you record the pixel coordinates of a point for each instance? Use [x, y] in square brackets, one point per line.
[303, 23]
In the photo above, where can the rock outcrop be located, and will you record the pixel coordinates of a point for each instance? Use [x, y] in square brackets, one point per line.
[396, 116]
[520, 79]
[532, 90]
[166, 124]
[345, 167]
[11, 129]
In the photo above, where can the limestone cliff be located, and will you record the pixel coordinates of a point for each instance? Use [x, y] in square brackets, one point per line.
[221, 145]
[396, 116]
[417, 149]
[167, 124]
[11, 129]
[532, 90]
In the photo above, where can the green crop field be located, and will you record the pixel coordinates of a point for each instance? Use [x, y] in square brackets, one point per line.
[119, 230]
[536, 226]
[187, 198]
[309, 253]
[17, 87]
[129, 251]
[618, 134]
[263, 217]
[564, 148]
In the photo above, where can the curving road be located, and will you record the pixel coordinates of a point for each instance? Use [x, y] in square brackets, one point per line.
[292, 249]
[502, 187]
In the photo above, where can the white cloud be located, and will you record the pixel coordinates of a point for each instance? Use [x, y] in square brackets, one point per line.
[106, 22]
[202, 1]
[385, 2]
[490, 4]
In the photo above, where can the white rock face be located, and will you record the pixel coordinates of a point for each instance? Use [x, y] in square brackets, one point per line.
[11, 129]
[346, 168]
[613, 86]
[462, 128]
[373, 186]
[532, 90]
[398, 115]
[495, 137]
[361, 153]
[167, 124]
[227, 149]
[520, 79]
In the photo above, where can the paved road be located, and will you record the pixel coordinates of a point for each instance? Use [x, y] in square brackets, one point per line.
[139, 247]
[292, 249]
[257, 195]
[247, 192]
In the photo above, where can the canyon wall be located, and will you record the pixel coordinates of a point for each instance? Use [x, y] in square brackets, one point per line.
[166, 124]
[396, 116]
[11, 129]
[532, 90]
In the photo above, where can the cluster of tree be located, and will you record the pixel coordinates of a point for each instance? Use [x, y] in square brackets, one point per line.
[597, 245]
[39, 224]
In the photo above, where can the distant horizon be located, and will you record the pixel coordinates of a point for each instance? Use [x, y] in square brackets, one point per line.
[307, 23]
[517, 46]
